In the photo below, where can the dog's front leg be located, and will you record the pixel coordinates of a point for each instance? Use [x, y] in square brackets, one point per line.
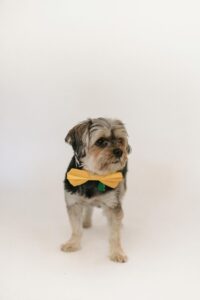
[114, 216]
[75, 213]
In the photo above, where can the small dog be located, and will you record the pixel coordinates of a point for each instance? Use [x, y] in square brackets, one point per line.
[100, 149]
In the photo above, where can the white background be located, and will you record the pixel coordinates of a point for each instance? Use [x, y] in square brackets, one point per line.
[64, 61]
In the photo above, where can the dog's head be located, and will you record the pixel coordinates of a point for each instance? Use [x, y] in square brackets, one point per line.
[100, 144]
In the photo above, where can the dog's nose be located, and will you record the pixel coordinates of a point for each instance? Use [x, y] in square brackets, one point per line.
[117, 152]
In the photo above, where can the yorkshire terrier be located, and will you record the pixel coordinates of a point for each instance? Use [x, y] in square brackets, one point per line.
[100, 152]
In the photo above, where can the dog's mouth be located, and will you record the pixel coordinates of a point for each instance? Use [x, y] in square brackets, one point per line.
[121, 160]
[116, 161]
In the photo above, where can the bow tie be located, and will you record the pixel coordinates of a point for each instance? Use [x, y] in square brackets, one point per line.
[78, 177]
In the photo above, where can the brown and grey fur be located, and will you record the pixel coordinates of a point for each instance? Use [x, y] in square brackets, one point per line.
[90, 156]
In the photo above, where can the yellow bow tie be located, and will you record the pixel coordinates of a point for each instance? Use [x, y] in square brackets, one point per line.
[78, 177]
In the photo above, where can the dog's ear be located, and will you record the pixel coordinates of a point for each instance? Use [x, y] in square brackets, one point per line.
[129, 149]
[78, 137]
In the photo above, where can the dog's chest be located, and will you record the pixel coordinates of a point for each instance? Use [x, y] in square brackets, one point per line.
[108, 199]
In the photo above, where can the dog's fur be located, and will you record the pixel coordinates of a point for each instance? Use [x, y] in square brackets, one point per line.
[94, 142]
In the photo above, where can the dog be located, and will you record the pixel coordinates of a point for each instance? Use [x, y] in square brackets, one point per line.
[101, 149]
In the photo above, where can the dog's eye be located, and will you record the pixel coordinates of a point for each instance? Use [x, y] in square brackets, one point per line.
[102, 142]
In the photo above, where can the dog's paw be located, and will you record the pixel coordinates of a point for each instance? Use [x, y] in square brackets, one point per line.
[118, 257]
[70, 247]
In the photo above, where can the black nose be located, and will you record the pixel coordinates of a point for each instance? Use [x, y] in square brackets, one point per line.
[117, 152]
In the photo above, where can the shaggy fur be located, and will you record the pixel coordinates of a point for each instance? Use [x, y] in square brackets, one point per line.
[101, 147]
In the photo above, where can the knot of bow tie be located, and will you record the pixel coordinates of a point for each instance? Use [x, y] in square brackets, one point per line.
[77, 177]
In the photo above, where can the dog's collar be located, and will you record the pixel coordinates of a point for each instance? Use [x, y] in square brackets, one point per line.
[78, 177]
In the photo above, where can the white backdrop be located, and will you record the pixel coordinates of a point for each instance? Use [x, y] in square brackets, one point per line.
[64, 61]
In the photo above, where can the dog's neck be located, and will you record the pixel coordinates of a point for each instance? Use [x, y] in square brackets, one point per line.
[80, 165]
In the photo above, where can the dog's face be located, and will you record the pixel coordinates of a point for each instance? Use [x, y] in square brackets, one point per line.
[100, 144]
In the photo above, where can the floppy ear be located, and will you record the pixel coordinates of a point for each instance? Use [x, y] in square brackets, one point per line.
[77, 137]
